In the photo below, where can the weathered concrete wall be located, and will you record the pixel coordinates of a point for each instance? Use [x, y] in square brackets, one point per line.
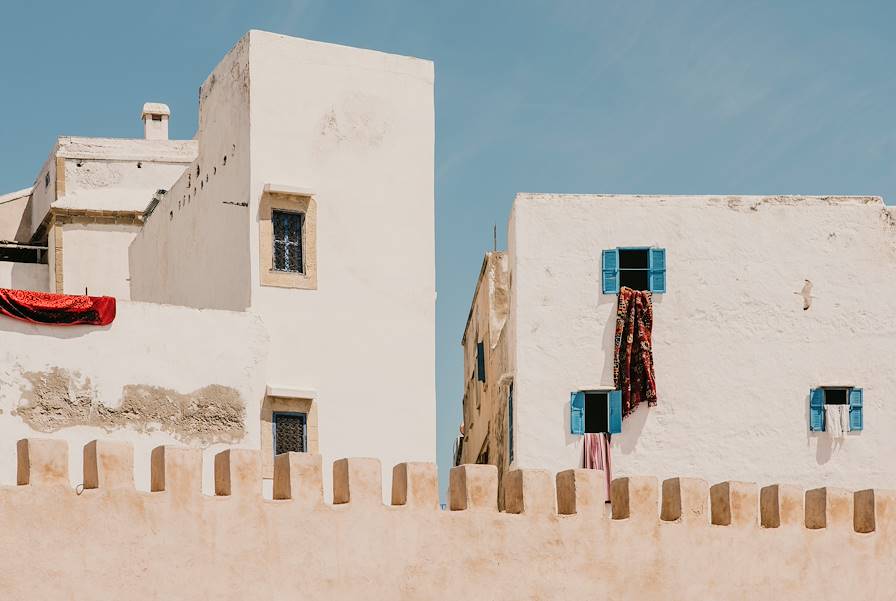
[15, 215]
[485, 403]
[95, 258]
[158, 374]
[357, 128]
[194, 249]
[735, 352]
[175, 543]
[24, 276]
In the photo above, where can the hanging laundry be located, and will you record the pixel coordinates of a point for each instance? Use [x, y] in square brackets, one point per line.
[832, 421]
[844, 418]
[633, 360]
[836, 420]
[57, 309]
[597, 456]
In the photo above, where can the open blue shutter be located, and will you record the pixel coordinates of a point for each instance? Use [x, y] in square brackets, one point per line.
[610, 268]
[856, 401]
[615, 413]
[816, 410]
[577, 412]
[657, 269]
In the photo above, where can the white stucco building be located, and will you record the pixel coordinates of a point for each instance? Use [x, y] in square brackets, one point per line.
[766, 298]
[286, 254]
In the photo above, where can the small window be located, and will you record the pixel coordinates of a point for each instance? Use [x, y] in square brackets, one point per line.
[47, 180]
[156, 117]
[634, 264]
[594, 411]
[597, 412]
[821, 397]
[640, 268]
[289, 433]
[288, 241]
[480, 361]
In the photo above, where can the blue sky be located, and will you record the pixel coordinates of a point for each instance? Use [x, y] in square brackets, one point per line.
[566, 96]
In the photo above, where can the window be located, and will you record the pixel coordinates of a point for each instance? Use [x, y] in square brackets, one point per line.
[288, 241]
[287, 238]
[289, 433]
[595, 411]
[639, 268]
[510, 424]
[47, 180]
[836, 395]
[480, 361]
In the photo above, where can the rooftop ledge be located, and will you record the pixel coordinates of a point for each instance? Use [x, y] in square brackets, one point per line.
[288, 190]
[285, 392]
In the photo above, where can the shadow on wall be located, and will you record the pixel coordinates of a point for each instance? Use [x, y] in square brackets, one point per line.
[30, 276]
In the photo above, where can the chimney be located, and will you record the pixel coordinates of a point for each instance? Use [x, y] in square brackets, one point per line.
[155, 121]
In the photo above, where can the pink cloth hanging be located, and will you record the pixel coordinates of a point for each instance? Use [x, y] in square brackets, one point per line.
[597, 455]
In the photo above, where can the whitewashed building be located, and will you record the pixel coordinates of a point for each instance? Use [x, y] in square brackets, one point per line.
[758, 302]
[255, 286]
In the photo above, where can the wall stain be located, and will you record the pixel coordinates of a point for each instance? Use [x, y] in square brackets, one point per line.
[60, 399]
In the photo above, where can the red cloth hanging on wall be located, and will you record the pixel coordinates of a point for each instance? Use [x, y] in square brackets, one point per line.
[633, 362]
[57, 309]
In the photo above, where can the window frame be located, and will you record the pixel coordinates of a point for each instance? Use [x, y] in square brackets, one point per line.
[283, 200]
[854, 402]
[300, 243]
[610, 269]
[302, 415]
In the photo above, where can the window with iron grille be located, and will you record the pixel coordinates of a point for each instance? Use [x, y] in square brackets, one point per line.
[289, 433]
[288, 228]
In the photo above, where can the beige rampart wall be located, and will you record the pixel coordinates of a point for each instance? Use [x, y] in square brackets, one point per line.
[104, 540]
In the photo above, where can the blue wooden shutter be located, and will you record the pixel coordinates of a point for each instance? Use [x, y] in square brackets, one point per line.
[856, 401]
[615, 400]
[657, 269]
[610, 268]
[577, 412]
[816, 410]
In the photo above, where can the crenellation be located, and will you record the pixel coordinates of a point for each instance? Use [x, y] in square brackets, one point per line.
[415, 485]
[634, 497]
[473, 487]
[581, 491]
[530, 492]
[299, 477]
[864, 515]
[734, 504]
[357, 480]
[177, 470]
[781, 505]
[42, 462]
[108, 464]
[684, 500]
[829, 507]
[238, 473]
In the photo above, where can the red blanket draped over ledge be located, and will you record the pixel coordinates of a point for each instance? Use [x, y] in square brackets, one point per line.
[57, 309]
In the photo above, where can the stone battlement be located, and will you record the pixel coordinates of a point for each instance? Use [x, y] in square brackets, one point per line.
[555, 539]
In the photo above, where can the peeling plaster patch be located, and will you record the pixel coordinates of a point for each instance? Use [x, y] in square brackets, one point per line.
[354, 120]
[59, 399]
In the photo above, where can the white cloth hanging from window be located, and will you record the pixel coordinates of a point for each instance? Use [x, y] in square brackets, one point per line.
[836, 420]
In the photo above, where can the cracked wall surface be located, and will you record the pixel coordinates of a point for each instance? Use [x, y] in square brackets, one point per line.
[58, 398]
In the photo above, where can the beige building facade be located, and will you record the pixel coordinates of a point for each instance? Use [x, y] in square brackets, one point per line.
[271, 218]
